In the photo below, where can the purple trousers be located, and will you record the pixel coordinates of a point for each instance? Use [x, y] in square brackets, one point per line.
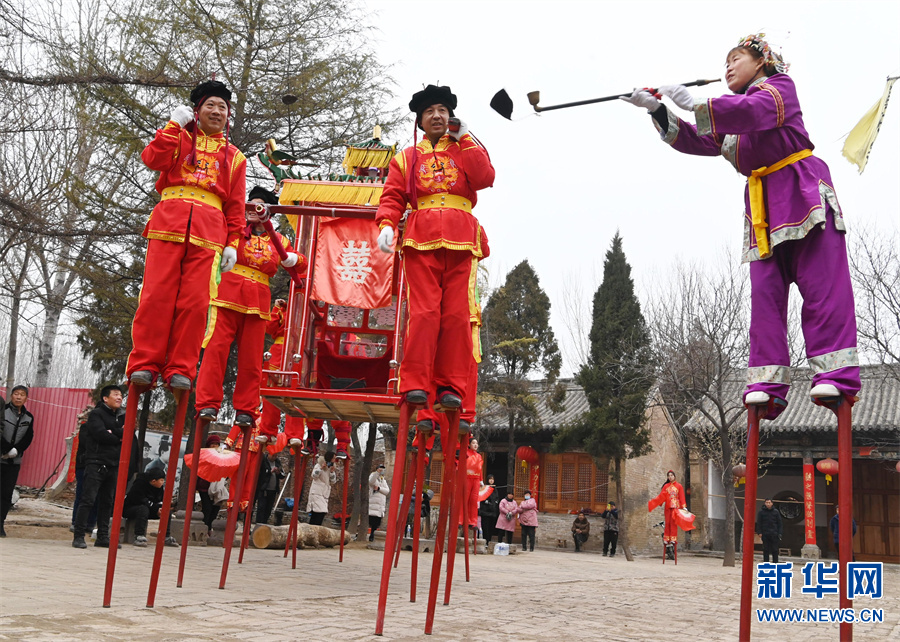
[818, 265]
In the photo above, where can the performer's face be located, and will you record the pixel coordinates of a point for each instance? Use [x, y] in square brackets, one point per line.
[671, 477]
[253, 217]
[741, 67]
[473, 445]
[434, 120]
[213, 115]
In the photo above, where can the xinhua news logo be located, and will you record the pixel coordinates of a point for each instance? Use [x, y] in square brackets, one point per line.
[864, 579]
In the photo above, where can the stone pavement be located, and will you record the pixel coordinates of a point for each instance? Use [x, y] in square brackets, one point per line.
[50, 591]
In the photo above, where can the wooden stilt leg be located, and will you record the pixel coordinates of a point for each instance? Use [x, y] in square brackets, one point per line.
[344, 507]
[182, 397]
[459, 500]
[134, 394]
[235, 506]
[417, 516]
[754, 413]
[248, 514]
[845, 501]
[443, 514]
[200, 428]
[391, 535]
[298, 489]
[403, 516]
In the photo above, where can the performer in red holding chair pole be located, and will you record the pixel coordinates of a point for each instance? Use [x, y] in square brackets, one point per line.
[441, 245]
[672, 497]
[239, 313]
[202, 185]
[271, 416]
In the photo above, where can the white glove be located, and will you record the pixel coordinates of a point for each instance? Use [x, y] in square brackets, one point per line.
[679, 95]
[386, 239]
[291, 260]
[182, 115]
[229, 258]
[642, 98]
[12, 453]
[463, 130]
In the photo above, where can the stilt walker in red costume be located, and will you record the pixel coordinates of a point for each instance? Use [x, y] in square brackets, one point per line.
[474, 476]
[202, 188]
[234, 442]
[441, 245]
[239, 313]
[673, 499]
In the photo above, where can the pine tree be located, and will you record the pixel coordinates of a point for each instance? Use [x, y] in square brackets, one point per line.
[519, 342]
[616, 379]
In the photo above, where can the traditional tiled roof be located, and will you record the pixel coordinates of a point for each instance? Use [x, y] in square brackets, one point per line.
[877, 410]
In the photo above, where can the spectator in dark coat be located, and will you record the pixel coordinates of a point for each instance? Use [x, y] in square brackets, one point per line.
[16, 433]
[79, 475]
[102, 434]
[270, 476]
[834, 525]
[581, 530]
[770, 528]
[610, 529]
[143, 502]
[489, 511]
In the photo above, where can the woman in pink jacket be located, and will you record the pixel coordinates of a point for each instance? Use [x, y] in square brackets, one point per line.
[528, 520]
[506, 522]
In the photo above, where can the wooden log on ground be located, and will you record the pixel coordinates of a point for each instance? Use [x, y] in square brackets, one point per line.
[308, 536]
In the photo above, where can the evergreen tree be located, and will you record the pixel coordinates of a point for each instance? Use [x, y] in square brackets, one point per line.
[519, 343]
[616, 379]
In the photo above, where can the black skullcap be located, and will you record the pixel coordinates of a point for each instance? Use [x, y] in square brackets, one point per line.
[156, 473]
[264, 194]
[432, 95]
[210, 88]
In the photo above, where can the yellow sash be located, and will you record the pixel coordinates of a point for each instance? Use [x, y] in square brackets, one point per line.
[758, 202]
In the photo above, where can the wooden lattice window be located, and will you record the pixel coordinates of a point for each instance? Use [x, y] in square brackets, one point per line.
[571, 481]
[435, 480]
[584, 483]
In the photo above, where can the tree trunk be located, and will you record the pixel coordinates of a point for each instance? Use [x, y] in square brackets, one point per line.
[620, 503]
[729, 498]
[14, 322]
[511, 456]
[308, 536]
[361, 481]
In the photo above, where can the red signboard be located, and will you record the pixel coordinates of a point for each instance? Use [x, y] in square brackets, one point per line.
[809, 503]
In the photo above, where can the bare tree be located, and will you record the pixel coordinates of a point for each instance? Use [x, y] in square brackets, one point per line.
[699, 325]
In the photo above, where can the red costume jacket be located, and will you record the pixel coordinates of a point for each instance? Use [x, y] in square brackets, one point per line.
[245, 288]
[671, 496]
[216, 188]
[457, 169]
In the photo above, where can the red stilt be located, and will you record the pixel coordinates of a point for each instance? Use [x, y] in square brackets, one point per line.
[134, 395]
[417, 516]
[200, 428]
[458, 507]
[403, 516]
[675, 552]
[845, 500]
[182, 397]
[295, 521]
[235, 506]
[391, 535]
[754, 413]
[440, 537]
[248, 514]
[344, 507]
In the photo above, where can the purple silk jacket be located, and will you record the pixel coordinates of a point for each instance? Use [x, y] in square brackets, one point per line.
[754, 130]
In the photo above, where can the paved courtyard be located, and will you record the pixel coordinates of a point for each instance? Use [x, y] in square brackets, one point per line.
[50, 591]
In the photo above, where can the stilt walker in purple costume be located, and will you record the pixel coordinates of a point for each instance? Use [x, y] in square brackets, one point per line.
[793, 222]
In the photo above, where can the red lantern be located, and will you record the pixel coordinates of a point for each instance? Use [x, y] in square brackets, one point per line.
[828, 467]
[740, 473]
[528, 454]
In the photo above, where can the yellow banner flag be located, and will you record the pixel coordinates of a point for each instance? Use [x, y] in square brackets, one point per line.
[861, 138]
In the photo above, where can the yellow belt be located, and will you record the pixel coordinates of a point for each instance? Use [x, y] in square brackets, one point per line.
[278, 341]
[758, 202]
[444, 200]
[250, 273]
[193, 194]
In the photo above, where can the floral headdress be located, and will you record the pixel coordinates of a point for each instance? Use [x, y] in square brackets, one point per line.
[770, 57]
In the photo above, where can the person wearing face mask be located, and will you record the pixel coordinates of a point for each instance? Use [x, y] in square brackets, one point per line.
[528, 520]
[441, 246]
[794, 226]
[378, 493]
[506, 522]
[202, 188]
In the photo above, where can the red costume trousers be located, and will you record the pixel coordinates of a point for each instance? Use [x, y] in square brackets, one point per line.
[468, 405]
[438, 346]
[249, 331]
[170, 320]
[670, 534]
[473, 485]
[342, 434]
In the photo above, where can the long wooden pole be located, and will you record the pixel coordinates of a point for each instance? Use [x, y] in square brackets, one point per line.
[754, 413]
[235, 505]
[200, 428]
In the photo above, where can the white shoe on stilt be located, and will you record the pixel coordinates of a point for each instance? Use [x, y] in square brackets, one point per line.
[824, 390]
[756, 398]
[296, 443]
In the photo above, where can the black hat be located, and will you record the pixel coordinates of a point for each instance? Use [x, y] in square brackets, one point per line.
[264, 194]
[210, 88]
[432, 95]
